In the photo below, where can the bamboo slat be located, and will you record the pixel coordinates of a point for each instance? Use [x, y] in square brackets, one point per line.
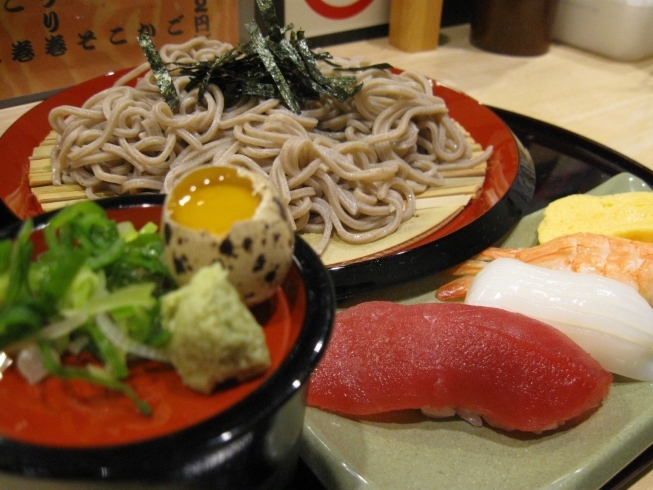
[460, 185]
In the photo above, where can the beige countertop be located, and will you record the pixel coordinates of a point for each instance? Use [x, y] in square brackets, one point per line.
[607, 101]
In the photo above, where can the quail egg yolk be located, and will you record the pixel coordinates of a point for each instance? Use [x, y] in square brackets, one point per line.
[213, 199]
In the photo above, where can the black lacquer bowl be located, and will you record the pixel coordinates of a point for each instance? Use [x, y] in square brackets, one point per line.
[250, 444]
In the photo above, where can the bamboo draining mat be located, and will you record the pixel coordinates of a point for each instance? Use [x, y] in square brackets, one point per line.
[435, 207]
[50, 196]
[460, 186]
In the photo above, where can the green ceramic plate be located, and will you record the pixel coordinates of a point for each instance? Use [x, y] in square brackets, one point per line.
[421, 453]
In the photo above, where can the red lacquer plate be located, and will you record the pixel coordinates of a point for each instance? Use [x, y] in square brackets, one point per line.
[66, 414]
[508, 187]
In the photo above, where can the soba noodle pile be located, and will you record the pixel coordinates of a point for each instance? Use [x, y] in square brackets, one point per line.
[353, 167]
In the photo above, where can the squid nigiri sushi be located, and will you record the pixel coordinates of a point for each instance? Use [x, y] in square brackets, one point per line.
[608, 319]
[515, 372]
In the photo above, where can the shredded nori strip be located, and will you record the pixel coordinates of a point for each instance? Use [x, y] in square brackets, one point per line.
[271, 20]
[268, 59]
[161, 74]
[271, 66]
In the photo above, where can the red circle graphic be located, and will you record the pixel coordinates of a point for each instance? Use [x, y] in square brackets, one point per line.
[338, 13]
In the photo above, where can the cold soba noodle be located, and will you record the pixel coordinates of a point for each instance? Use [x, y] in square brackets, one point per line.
[352, 167]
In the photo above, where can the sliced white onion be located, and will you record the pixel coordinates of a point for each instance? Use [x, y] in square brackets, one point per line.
[5, 362]
[121, 340]
[608, 319]
[76, 345]
[30, 364]
[62, 327]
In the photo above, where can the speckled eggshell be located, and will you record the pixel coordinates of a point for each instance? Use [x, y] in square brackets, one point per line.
[257, 252]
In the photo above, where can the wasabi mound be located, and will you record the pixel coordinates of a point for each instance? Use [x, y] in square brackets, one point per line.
[215, 338]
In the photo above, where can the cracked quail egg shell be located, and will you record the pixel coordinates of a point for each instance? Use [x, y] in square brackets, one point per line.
[232, 216]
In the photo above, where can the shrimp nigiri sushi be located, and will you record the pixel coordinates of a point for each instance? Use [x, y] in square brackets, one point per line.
[627, 261]
[515, 372]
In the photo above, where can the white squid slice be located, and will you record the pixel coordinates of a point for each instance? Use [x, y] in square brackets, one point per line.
[611, 321]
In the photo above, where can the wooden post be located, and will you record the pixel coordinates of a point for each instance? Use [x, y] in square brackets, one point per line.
[415, 24]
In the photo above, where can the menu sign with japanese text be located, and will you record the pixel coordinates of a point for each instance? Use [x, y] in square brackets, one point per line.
[52, 44]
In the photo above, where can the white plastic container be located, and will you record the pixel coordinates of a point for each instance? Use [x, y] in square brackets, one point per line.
[618, 29]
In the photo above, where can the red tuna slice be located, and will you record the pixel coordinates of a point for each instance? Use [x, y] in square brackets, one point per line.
[514, 371]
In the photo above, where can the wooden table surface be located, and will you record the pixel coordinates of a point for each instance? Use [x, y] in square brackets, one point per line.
[607, 101]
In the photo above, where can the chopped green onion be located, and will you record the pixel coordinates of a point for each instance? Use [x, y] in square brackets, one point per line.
[92, 374]
[91, 269]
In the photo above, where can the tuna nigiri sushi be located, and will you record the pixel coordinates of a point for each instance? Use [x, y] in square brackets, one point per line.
[515, 372]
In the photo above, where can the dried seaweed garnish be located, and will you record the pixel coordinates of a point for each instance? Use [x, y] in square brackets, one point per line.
[271, 21]
[268, 59]
[161, 74]
[271, 66]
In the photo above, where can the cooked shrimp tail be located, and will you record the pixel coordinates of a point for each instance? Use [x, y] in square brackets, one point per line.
[470, 267]
[627, 261]
[457, 288]
[454, 290]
